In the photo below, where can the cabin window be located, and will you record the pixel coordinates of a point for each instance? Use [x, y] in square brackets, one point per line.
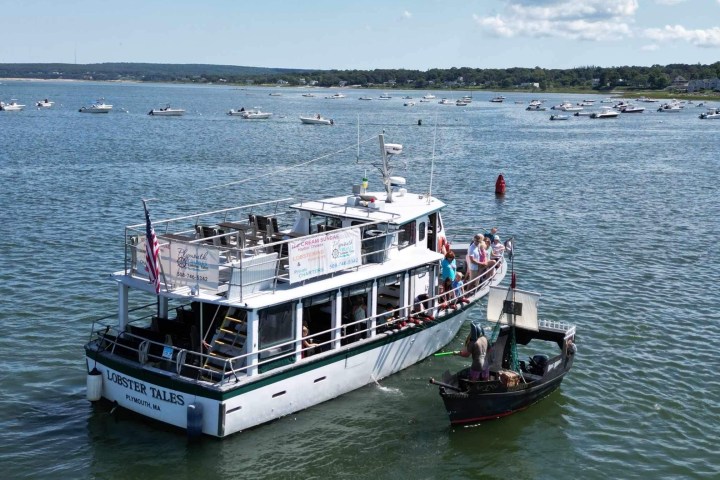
[421, 230]
[354, 310]
[276, 326]
[406, 235]
[317, 316]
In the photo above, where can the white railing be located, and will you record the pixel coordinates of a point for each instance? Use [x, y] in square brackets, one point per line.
[179, 360]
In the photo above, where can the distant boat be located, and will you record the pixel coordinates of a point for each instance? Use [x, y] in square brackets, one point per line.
[499, 99]
[409, 104]
[44, 103]
[13, 106]
[317, 120]
[365, 98]
[606, 112]
[384, 96]
[429, 96]
[308, 94]
[445, 101]
[168, 111]
[275, 94]
[632, 109]
[336, 96]
[559, 117]
[98, 107]
[255, 114]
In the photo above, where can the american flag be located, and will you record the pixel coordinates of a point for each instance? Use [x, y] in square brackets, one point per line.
[152, 252]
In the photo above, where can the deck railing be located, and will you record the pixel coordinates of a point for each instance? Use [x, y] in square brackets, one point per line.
[193, 364]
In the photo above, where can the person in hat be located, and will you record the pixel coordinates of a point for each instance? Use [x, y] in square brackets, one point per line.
[476, 345]
[497, 248]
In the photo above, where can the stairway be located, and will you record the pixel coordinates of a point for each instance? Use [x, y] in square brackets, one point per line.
[228, 342]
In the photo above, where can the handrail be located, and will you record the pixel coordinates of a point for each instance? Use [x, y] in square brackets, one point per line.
[214, 212]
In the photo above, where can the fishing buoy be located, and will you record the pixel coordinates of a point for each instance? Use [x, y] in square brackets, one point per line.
[194, 420]
[420, 122]
[500, 185]
[94, 385]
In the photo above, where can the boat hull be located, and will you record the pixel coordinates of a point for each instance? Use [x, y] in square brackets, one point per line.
[231, 409]
[491, 400]
[167, 113]
[315, 121]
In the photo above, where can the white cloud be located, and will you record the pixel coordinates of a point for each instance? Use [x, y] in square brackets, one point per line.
[406, 15]
[670, 2]
[572, 19]
[700, 38]
[650, 48]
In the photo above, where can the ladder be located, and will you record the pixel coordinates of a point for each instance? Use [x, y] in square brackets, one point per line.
[228, 342]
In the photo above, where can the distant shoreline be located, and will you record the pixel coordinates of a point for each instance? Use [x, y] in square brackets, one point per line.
[611, 93]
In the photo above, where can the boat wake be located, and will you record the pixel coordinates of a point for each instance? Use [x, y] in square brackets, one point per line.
[392, 390]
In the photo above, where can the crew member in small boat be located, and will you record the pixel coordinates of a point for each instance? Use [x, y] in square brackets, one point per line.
[476, 345]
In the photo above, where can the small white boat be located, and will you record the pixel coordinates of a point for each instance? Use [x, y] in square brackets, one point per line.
[13, 106]
[384, 96]
[710, 115]
[429, 96]
[445, 101]
[499, 99]
[308, 94]
[365, 98]
[606, 112]
[168, 111]
[317, 120]
[461, 103]
[632, 109]
[583, 114]
[335, 96]
[255, 114]
[44, 103]
[98, 107]
[537, 107]
[409, 104]
[407, 97]
[558, 117]
[275, 94]
[670, 108]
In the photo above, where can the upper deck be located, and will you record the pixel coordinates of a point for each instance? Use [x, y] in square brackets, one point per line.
[272, 252]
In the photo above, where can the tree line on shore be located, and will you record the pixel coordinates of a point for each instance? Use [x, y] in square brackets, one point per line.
[656, 77]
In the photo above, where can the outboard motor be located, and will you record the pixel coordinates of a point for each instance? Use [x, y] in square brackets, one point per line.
[538, 363]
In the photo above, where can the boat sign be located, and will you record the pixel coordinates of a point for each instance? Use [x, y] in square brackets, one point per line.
[328, 253]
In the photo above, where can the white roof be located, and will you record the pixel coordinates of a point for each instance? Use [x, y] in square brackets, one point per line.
[403, 208]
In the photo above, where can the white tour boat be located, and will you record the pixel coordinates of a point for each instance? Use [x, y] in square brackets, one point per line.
[13, 106]
[44, 103]
[168, 111]
[317, 120]
[251, 315]
[98, 107]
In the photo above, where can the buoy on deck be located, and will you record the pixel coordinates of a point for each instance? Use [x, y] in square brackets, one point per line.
[500, 185]
[194, 420]
[94, 385]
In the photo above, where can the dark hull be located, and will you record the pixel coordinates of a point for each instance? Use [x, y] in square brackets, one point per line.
[492, 399]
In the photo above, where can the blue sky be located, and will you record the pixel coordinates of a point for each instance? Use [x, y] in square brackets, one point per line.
[368, 34]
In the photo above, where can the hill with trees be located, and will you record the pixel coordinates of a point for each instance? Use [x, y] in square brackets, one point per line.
[656, 77]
